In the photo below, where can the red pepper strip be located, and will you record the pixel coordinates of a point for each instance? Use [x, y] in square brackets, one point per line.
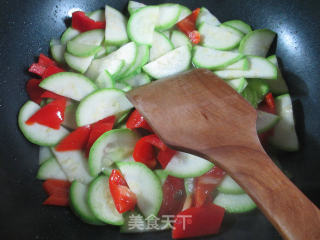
[155, 141]
[55, 186]
[136, 120]
[51, 70]
[268, 104]
[198, 221]
[57, 200]
[51, 115]
[83, 23]
[76, 140]
[58, 191]
[164, 157]
[37, 68]
[205, 184]
[174, 195]
[34, 91]
[45, 61]
[49, 94]
[99, 128]
[188, 26]
[143, 152]
[124, 199]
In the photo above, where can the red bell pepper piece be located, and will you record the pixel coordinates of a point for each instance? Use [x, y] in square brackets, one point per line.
[268, 104]
[136, 120]
[46, 61]
[58, 191]
[188, 26]
[83, 23]
[198, 221]
[37, 68]
[51, 115]
[164, 157]
[174, 195]
[205, 184]
[124, 199]
[34, 91]
[143, 152]
[49, 94]
[76, 140]
[155, 141]
[50, 70]
[99, 128]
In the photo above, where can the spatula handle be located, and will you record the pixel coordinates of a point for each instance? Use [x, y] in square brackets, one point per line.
[289, 210]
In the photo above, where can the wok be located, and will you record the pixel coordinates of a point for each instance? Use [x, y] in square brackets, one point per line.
[26, 28]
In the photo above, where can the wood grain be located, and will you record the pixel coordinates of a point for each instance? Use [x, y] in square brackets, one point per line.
[199, 113]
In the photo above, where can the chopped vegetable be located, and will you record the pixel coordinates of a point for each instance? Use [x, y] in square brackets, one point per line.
[144, 153]
[58, 191]
[51, 115]
[198, 221]
[136, 120]
[188, 26]
[76, 140]
[206, 184]
[164, 157]
[83, 23]
[34, 91]
[123, 198]
[174, 195]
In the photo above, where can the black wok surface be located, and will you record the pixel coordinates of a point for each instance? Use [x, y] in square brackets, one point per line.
[25, 30]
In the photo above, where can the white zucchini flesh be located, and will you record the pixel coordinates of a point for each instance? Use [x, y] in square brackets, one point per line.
[179, 39]
[137, 80]
[104, 80]
[78, 197]
[69, 115]
[123, 86]
[266, 121]
[128, 53]
[285, 136]
[69, 84]
[235, 203]
[278, 86]
[100, 104]
[102, 52]
[36, 133]
[44, 154]
[74, 165]
[143, 55]
[184, 12]
[173, 62]
[257, 42]
[229, 186]
[113, 66]
[145, 185]
[242, 64]
[112, 146]
[79, 64]
[240, 25]
[51, 169]
[168, 16]
[160, 45]
[101, 203]
[69, 34]
[92, 37]
[238, 84]
[81, 49]
[205, 16]
[184, 165]
[57, 50]
[116, 23]
[134, 6]
[259, 68]
[219, 37]
[97, 15]
[213, 59]
[142, 23]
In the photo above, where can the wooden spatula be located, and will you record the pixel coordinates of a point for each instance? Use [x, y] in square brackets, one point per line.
[199, 113]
